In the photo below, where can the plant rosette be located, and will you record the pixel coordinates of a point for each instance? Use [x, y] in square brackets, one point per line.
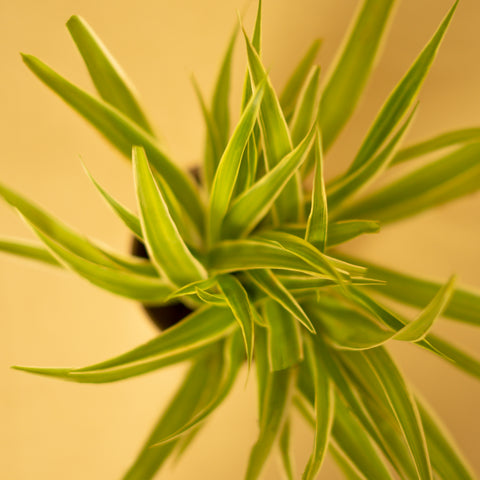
[249, 256]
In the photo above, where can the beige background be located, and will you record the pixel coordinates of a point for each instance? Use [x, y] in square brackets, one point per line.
[55, 430]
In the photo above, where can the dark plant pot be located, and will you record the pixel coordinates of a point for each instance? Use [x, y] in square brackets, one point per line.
[163, 316]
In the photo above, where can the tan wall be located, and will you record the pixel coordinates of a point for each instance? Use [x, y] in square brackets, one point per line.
[54, 430]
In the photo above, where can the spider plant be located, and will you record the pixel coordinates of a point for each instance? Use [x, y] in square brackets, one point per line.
[251, 250]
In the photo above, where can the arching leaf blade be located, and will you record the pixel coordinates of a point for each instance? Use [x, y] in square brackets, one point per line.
[122, 133]
[348, 75]
[110, 80]
[402, 97]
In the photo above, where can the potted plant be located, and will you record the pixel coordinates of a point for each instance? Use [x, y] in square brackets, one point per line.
[248, 257]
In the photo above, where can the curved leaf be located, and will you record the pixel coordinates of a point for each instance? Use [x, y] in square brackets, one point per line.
[110, 80]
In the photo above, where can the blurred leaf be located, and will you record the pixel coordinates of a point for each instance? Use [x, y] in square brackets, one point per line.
[129, 219]
[29, 250]
[464, 304]
[402, 97]
[345, 230]
[143, 288]
[285, 451]
[291, 91]
[284, 338]
[348, 75]
[398, 395]
[239, 303]
[221, 94]
[188, 399]
[439, 142]
[230, 363]
[441, 181]
[446, 458]
[213, 147]
[227, 171]
[193, 334]
[458, 356]
[110, 80]
[345, 464]
[307, 108]
[418, 328]
[324, 411]
[250, 207]
[276, 402]
[276, 137]
[274, 289]
[317, 223]
[366, 172]
[164, 244]
[122, 133]
[52, 227]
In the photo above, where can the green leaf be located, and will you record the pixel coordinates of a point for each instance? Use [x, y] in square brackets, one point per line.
[276, 402]
[213, 149]
[356, 444]
[110, 80]
[346, 327]
[251, 206]
[291, 91]
[284, 338]
[26, 249]
[189, 397]
[276, 137]
[353, 329]
[338, 232]
[345, 230]
[129, 219]
[143, 288]
[317, 223]
[307, 108]
[439, 142]
[464, 304]
[227, 171]
[364, 174]
[210, 298]
[324, 411]
[52, 227]
[349, 73]
[262, 367]
[402, 97]
[274, 289]
[164, 244]
[296, 283]
[403, 405]
[239, 303]
[443, 180]
[248, 167]
[345, 464]
[388, 438]
[285, 451]
[194, 334]
[351, 438]
[241, 255]
[231, 362]
[417, 329]
[458, 356]
[122, 133]
[446, 458]
[306, 251]
[220, 101]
